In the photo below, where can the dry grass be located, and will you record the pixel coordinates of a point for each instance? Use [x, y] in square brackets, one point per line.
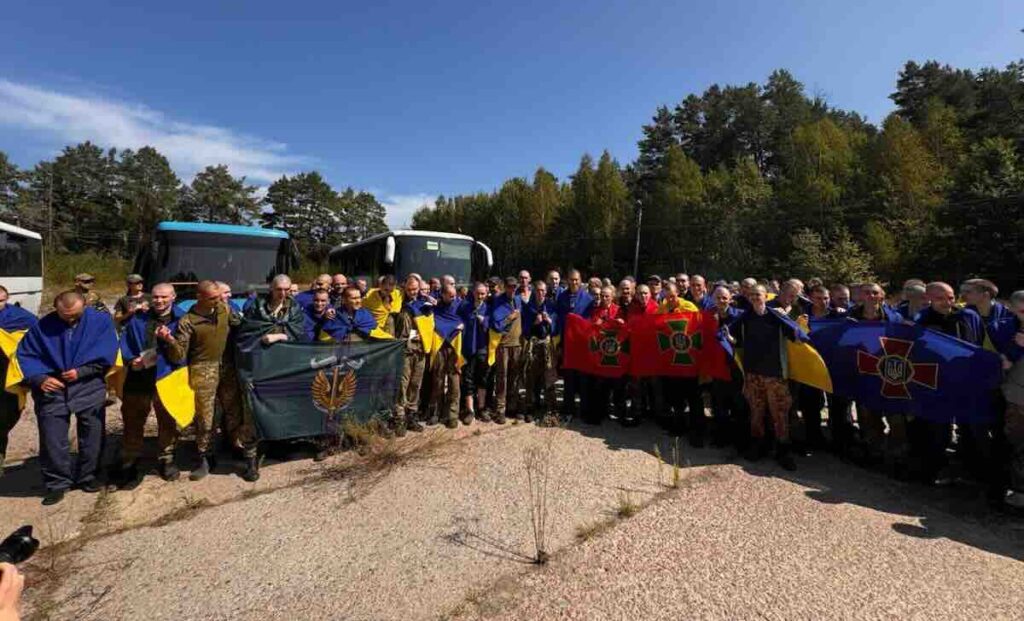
[586, 532]
[537, 460]
[627, 507]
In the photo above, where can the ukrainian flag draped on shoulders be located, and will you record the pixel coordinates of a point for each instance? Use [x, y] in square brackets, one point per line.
[448, 327]
[422, 313]
[48, 348]
[500, 321]
[474, 318]
[322, 329]
[172, 386]
[802, 362]
[14, 323]
[381, 306]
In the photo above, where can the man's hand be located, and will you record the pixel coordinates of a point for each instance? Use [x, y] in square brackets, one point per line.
[330, 313]
[11, 584]
[1007, 365]
[137, 363]
[270, 339]
[70, 375]
[164, 334]
[513, 316]
[51, 384]
[142, 307]
[1019, 339]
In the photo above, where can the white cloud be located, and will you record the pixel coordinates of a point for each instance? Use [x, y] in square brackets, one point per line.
[401, 207]
[189, 147]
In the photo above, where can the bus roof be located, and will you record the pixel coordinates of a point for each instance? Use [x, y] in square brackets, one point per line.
[403, 233]
[224, 229]
[10, 228]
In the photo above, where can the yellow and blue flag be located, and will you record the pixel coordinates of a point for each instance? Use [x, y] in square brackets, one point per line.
[448, 327]
[172, 385]
[14, 323]
[381, 308]
[47, 349]
[501, 308]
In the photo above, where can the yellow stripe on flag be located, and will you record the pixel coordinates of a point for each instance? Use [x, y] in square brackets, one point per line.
[425, 326]
[116, 375]
[380, 311]
[493, 340]
[12, 383]
[177, 396]
[457, 344]
[377, 333]
[807, 367]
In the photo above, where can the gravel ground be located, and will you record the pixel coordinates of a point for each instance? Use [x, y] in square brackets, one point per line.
[442, 529]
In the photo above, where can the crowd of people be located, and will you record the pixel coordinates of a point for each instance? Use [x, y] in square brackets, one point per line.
[496, 354]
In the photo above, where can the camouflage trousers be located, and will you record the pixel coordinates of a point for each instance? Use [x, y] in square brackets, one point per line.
[507, 379]
[539, 371]
[444, 394]
[413, 365]
[135, 408]
[237, 421]
[768, 395]
[203, 378]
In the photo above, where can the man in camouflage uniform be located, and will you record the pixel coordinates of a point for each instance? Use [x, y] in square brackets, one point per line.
[538, 354]
[237, 418]
[415, 359]
[83, 285]
[134, 299]
[200, 339]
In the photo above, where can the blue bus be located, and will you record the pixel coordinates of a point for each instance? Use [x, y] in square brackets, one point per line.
[245, 257]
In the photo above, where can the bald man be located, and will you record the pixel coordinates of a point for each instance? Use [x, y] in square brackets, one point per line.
[64, 358]
[200, 339]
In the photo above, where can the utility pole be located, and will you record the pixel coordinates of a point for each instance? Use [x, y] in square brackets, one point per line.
[49, 212]
[636, 251]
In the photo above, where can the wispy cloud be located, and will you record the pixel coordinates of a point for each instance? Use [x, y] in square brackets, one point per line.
[401, 207]
[189, 147]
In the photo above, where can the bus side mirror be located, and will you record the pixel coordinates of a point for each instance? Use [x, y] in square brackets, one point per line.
[488, 255]
[389, 250]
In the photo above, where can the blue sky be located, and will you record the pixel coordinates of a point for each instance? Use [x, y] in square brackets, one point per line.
[412, 99]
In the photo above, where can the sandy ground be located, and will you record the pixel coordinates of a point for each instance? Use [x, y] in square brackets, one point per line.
[439, 527]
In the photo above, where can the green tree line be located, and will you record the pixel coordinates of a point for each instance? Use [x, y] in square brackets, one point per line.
[90, 199]
[763, 179]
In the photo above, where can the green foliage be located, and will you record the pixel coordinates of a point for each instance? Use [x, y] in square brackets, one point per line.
[60, 269]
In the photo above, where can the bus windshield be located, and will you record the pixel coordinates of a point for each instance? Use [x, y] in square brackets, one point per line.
[432, 257]
[243, 262]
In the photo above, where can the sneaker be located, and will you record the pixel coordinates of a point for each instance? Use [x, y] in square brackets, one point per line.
[53, 496]
[467, 418]
[499, 418]
[484, 416]
[201, 471]
[169, 471]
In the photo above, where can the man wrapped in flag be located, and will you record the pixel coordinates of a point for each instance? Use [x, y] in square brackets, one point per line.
[728, 407]
[474, 313]
[504, 349]
[14, 323]
[384, 303]
[64, 359]
[152, 381]
[446, 361]
[322, 323]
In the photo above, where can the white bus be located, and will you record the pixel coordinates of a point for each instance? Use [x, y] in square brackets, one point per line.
[21, 266]
[431, 254]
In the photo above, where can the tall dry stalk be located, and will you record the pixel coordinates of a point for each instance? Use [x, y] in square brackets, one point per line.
[537, 460]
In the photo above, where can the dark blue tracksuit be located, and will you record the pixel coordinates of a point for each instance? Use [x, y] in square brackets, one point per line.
[83, 398]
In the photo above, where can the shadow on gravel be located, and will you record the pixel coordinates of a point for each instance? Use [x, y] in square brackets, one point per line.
[959, 512]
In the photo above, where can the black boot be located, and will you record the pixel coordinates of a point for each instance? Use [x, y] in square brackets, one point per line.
[784, 455]
[202, 470]
[169, 471]
[128, 478]
[252, 469]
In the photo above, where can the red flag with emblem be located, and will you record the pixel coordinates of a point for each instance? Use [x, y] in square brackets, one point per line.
[672, 345]
[602, 351]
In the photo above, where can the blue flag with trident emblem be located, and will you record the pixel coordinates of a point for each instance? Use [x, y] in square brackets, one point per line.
[904, 369]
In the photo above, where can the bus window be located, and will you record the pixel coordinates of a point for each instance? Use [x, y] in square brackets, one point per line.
[20, 256]
[434, 257]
